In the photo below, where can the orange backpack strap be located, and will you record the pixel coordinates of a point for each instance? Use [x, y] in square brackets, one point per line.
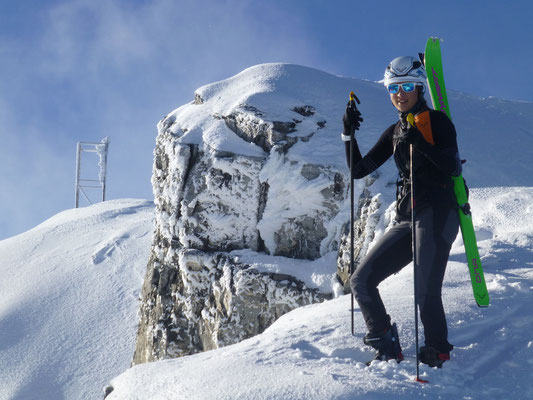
[423, 124]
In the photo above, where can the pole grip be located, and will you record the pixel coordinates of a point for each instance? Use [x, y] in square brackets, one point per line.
[354, 97]
[411, 119]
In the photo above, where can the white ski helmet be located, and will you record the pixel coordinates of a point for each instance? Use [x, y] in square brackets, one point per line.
[405, 69]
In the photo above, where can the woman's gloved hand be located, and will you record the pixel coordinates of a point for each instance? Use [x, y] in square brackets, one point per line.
[351, 120]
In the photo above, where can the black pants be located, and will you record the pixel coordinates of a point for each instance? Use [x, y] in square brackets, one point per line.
[436, 229]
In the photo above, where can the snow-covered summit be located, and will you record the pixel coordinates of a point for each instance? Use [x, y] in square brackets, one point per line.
[235, 179]
[483, 124]
[306, 99]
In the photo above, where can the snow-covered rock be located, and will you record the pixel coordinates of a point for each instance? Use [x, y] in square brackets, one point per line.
[235, 171]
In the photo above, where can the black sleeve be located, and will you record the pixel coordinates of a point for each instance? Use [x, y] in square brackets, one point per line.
[380, 153]
[444, 154]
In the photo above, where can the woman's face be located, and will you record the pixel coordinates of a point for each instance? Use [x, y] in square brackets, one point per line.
[404, 101]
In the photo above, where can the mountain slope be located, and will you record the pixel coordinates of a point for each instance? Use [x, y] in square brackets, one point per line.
[69, 300]
[309, 353]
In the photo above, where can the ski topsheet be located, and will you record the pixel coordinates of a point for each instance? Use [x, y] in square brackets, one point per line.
[439, 98]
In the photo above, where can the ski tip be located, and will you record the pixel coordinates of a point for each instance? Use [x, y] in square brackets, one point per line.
[420, 380]
[437, 39]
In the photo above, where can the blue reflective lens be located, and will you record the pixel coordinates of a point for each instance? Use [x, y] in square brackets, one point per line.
[407, 87]
[393, 88]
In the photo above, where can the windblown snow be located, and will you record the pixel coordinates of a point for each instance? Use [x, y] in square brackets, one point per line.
[70, 286]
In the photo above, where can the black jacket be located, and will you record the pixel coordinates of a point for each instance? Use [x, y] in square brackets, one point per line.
[433, 165]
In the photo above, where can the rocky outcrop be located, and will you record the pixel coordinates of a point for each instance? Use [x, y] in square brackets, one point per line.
[196, 295]
[226, 179]
[203, 301]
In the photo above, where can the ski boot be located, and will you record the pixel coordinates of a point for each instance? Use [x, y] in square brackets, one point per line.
[431, 356]
[387, 345]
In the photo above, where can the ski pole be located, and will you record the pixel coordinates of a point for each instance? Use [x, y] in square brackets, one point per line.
[410, 120]
[352, 105]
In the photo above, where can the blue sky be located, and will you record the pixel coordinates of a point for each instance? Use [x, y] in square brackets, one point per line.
[81, 70]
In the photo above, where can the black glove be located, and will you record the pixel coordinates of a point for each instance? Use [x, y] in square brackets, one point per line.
[351, 119]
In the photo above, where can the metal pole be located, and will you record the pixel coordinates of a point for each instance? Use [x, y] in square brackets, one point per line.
[78, 161]
[411, 121]
[104, 167]
[353, 106]
[351, 223]
[413, 246]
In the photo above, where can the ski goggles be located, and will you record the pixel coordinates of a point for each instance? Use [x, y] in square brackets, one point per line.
[407, 87]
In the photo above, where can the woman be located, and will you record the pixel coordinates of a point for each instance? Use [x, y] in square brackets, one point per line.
[435, 160]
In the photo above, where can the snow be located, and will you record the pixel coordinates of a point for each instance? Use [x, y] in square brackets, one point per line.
[290, 194]
[294, 86]
[101, 150]
[70, 286]
[309, 353]
[315, 274]
[68, 309]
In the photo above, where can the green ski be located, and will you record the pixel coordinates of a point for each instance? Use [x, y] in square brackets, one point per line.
[435, 77]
